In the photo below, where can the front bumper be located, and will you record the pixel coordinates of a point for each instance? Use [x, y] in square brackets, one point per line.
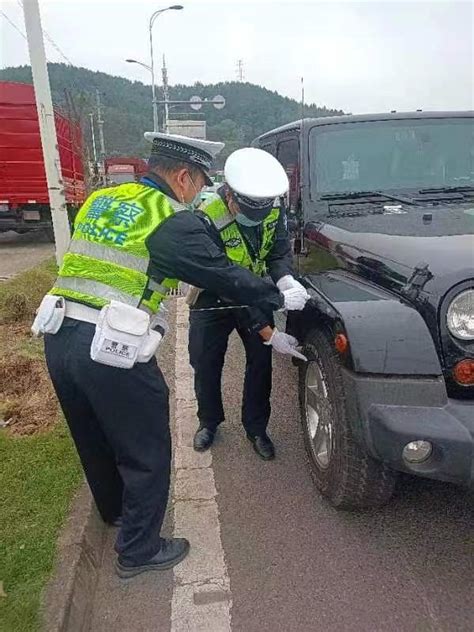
[391, 412]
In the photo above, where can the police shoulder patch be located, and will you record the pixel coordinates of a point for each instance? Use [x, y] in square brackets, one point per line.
[233, 242]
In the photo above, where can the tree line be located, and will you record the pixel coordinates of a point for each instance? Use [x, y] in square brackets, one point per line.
[250, 110]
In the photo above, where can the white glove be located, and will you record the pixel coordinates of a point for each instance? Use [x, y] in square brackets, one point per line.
[287, 282]
[286, 344]
[295, 298]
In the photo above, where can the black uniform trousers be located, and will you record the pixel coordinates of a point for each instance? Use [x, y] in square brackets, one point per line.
[208, 337]
[119, 420]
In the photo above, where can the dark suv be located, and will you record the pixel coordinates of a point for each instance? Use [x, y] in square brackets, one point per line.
[382, 210]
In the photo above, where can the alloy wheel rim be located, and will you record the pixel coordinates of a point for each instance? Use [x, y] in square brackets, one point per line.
[318, 415]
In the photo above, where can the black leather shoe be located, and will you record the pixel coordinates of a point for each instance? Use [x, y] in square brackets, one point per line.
[263, 446]
[116, 523]
[172, 552]
[203, 439]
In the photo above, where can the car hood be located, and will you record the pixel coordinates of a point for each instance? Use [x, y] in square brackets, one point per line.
[391, 247]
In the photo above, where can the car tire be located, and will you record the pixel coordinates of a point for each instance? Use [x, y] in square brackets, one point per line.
[342, 470]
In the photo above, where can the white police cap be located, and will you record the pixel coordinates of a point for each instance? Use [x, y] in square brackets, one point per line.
[255, 174]
[200, 153]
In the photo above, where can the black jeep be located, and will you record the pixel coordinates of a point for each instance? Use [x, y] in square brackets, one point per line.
[382, 209]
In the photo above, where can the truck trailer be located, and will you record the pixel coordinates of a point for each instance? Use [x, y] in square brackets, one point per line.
[24, 200]
[120, 169]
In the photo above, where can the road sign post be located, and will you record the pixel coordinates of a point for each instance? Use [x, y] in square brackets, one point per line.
[196, 102]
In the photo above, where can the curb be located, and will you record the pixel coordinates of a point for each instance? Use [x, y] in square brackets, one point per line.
[67, 599]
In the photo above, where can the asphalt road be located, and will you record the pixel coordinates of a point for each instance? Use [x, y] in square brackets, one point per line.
[297, 565]
[20, 252]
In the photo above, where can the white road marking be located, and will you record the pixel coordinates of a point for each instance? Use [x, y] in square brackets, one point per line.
[202, 599]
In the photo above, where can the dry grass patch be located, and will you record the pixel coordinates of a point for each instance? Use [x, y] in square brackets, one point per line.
[27, 401]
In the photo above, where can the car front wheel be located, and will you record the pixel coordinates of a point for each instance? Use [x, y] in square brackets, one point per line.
[342, 470]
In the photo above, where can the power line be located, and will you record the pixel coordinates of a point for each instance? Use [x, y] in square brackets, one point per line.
[51, 41]
[15, 27]
[55, 46]
[13, 24]
[69, 99]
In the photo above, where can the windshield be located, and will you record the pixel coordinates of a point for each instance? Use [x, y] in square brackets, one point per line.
[122, 177]
[391, 155]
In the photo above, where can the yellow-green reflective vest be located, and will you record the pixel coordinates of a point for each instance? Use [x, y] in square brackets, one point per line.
[235, 245]
[108, 258]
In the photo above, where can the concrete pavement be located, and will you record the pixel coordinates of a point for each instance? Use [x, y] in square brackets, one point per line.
[269, 554]
[20, 252]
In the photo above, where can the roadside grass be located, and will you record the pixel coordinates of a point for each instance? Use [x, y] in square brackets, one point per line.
[27, 400]
[39, 468]
[20, 296]
[39, 475]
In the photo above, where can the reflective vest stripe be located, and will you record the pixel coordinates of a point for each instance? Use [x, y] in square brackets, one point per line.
[108, 258]
[221, 222]
[157, 287]
[233, 239]
[177, 206]
[93, 287]
[96, 288]
[104, 253]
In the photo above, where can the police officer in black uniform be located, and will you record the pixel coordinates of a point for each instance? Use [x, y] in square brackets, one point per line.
[247, 217]
[119, 417]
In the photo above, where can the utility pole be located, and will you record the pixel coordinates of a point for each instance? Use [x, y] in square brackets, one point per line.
[100, 123]
[240, 70]
[94, 150]
[49, 141]
[302, 98]
[175, 7]
[94, 147]
[166, 97]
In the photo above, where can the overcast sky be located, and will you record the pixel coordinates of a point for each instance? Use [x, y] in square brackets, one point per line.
[367, 56]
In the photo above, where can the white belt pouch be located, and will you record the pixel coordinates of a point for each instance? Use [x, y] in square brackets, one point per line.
[120, 334]
[50, 315]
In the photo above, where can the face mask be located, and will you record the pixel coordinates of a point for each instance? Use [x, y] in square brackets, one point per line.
[196, 201]
[243, 220]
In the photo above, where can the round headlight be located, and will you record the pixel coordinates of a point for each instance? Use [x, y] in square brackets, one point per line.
[460, 316]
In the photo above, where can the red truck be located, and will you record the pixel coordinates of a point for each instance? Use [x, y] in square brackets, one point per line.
[24, 201]
[122, 169]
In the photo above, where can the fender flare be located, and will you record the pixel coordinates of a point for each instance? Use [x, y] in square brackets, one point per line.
[386, 336]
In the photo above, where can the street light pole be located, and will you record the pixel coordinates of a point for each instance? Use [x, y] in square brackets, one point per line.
[140, 63]
[152, 67]
[154, 101]
[176, 7]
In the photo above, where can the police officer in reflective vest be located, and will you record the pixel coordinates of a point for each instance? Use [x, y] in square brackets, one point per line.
[253, 231]
[102, 326]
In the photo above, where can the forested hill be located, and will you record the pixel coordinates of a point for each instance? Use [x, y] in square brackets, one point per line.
[250, 109]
